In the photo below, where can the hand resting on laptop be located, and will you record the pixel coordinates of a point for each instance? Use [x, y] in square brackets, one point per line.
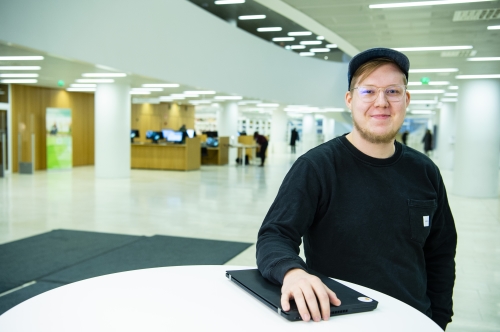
[307, 290]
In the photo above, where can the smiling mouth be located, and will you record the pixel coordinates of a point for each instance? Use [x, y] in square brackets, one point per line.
[380, 116]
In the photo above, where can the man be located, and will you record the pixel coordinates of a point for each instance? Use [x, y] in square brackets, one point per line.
[262, 142]
[370, 210]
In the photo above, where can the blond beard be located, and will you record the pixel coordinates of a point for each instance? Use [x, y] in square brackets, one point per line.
[374, 138]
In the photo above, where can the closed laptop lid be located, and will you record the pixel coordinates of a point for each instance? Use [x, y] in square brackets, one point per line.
[270, 294]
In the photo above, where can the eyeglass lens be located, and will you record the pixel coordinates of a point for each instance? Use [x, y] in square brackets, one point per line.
[370, 93]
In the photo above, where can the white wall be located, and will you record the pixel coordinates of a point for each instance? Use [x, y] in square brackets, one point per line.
[172, 40]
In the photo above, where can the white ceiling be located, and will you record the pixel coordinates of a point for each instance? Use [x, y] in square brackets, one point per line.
[362, 28]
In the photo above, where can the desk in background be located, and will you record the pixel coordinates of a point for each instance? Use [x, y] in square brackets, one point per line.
[187, 298]
[183, 157]
[218, 155]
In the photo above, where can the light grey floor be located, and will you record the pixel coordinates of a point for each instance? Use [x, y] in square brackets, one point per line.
[229, 203]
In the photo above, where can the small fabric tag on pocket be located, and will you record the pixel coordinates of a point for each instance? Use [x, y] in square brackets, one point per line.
[426, 221]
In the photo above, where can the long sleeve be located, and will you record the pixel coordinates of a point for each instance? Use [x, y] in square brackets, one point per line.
[288, 219]
[439, 253]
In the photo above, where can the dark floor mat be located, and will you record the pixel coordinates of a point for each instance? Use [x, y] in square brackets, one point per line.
[31, 258]
[156, 251]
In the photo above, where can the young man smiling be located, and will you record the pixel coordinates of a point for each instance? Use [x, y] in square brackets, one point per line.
[369, 210]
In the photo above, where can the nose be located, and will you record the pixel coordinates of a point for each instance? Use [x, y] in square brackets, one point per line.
[381, 100]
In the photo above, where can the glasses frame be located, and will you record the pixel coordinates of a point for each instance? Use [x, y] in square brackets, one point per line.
[375, 96]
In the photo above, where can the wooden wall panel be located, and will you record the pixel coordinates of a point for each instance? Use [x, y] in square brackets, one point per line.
[160, 116]
[28, 106]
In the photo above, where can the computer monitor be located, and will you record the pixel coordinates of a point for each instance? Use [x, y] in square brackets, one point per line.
[175, 137]
[133, 134]
[167, 133]
[155, 136]
[191, 133]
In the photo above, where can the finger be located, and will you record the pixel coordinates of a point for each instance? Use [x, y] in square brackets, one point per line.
[333, 297]
[312, 303]
[323, 298]
[301, 305]
[285, 301]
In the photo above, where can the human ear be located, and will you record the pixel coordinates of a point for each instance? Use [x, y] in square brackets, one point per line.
[348, 100]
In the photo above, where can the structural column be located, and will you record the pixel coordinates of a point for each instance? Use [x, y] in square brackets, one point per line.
[309, 132]
[328, 127]
[278, 140]
[112, 131]
[227, 125]
[477, 153]
[446, 136]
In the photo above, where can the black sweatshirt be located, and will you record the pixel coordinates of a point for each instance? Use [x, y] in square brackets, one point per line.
[381, 223]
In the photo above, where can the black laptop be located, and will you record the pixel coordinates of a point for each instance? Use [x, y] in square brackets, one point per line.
[270, 294]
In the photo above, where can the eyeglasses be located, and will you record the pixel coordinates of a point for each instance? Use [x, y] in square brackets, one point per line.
[369, 93]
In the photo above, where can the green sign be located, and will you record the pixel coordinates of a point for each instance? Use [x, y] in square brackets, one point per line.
[425, 80]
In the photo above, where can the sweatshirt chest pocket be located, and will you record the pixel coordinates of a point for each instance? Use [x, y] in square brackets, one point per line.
[421, 216]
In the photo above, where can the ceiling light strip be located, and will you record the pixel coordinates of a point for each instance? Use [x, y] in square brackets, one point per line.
[422, 3]
[228, 2]
[103, 75]
[433, 48]
[251, 17]
[161, 85]
[19, 75]
[20, 80]
[20, 67]
[21, 58]
[434, 70]
[268, 29]
[484, 59]
[467, 77]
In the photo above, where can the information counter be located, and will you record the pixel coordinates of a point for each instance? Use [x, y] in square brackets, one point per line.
[167, 156]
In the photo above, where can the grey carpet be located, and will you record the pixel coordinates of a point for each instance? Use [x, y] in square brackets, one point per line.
[34, 257]
[156, 251]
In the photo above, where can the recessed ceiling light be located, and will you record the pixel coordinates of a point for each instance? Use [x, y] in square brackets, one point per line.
[466, 77]
[320, 50]
[453, 87]
[161, 85]
[423, 3]
[417, 101]
[432, 48]
[268, 105]
[20, 67]
[331, 45]
[283, 39]
[269, 29]
[228, 97]
[102, 75]
[228, 2]
[82, 85]
[200, 92]
[28, 58]
[494, 27]
[434, 70]
[449, 100]
[430, 83]
[81, 89]
[451, 94]
[147, 89]
[138, 92]
[252, 17]
[95, 80]
[300, 33]
[320, 38]
[297, 47]
[425, 91]
[18, 75]
[306, 54]
[484, 59]
[13, 80]
[311, 42]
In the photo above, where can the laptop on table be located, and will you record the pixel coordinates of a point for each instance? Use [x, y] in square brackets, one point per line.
[270, 294]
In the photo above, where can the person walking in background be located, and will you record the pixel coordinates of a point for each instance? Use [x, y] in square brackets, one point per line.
[262, 142]
[427, 140]
[404, 137]
[294, 138]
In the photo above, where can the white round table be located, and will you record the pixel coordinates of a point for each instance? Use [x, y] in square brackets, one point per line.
[186, 298]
